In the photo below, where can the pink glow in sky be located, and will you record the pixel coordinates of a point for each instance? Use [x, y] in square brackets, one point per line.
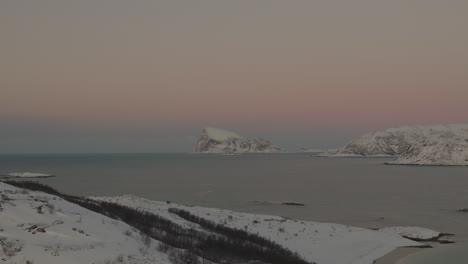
[266, 67]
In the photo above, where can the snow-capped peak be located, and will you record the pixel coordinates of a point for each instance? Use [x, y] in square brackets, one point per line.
[220, 134]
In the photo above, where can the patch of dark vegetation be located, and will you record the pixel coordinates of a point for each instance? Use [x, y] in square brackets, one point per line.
[243, 243]
[464, 210]
[221, 245]
[446, 241]
[421, 246]
[33, 186]
[293, 204]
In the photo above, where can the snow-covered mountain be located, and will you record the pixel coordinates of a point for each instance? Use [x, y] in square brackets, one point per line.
[416, 145]
[441, 151]
[215, 140]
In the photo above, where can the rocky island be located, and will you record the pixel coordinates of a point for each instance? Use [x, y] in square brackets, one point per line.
[215, 140]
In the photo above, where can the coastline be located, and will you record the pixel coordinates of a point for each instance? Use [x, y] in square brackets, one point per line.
[438, 253]
[398, 255]
[386, 257]
[314, 241]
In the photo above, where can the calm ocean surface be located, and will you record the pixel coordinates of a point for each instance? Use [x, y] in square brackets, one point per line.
[361, 192]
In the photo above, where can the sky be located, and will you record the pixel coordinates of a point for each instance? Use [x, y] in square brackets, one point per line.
[147, 76]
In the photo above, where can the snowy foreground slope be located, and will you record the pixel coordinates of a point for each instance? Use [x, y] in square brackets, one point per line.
[322, 243]
[44, 229]
[413, 145]
[215, 140]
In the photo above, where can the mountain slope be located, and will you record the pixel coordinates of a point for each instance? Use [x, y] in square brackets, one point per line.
[215, 140]
[148, 237]
[40, 228]
[418, 145]
[453, 151]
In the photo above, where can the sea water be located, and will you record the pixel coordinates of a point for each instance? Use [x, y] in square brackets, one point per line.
[355, 191]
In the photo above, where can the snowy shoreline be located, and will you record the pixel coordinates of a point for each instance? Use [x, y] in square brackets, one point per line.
[396, 163]
[49, 229]
[316, 242]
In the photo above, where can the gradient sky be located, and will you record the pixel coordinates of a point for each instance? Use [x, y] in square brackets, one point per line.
[147, 76]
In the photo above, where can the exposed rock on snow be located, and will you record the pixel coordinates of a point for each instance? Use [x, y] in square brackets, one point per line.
[26, 175]
[413, 145]
[215, 140]
[420, 234]
[289, 203]
[413, 232]
[322, 243]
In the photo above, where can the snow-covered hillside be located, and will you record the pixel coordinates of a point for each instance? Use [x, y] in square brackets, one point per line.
[418, 145]
[44, 229]
[215, 140]
[322, 243]
[41, 228]
[436, 151]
